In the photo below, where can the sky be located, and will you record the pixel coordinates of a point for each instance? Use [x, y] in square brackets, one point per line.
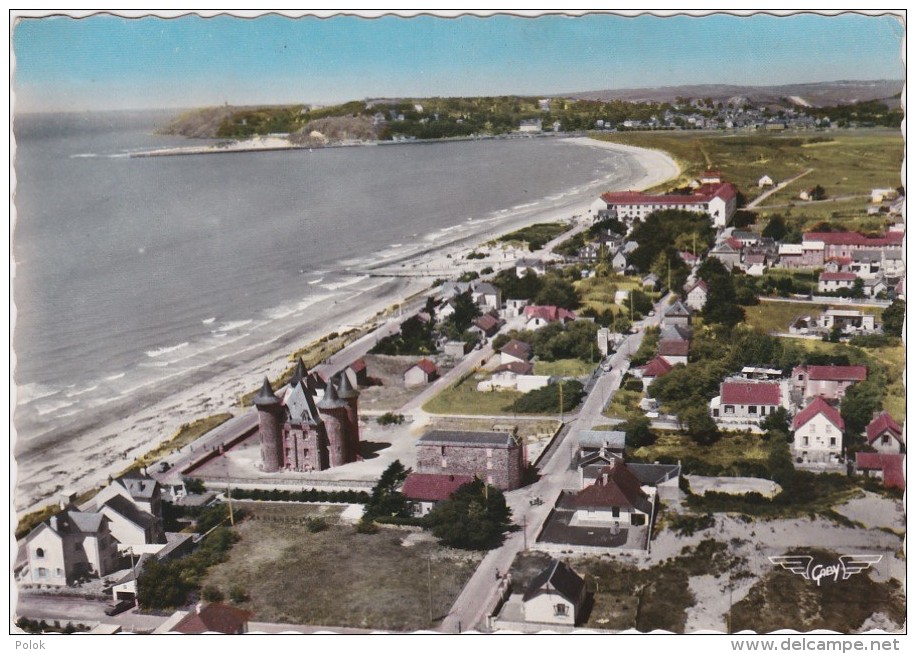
[107, 62]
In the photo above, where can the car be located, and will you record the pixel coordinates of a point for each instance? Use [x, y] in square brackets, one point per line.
[119, 607]
[652, 313]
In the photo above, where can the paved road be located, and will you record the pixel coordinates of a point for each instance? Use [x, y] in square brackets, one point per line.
[78, 609]
[470, 608]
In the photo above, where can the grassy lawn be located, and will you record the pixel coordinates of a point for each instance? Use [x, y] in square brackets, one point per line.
[564, 367]
[776, 316]
[733, 448]
[529, 429]
[852, 162]
[625, 405]
[337, 577]
[851, 214]
[463, 398]
[535, 236]
[598, 292]
[841, 607]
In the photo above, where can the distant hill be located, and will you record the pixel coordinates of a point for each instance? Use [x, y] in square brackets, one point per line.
[816, 94]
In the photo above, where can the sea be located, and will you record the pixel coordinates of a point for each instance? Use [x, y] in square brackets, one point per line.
[130, 272]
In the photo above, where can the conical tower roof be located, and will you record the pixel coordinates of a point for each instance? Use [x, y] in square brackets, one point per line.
[331, 399]
[346, 390]
[300, 373]
[265, 396]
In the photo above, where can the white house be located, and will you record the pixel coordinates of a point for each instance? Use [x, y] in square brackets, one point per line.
[616, 498]
[818, 432]
[555, 596]
[829, 282]
[747, 401]
[885, 435]
[765, 182]
[69, 546]
[697, 295]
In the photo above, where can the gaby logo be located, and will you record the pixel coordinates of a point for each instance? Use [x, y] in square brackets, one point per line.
[847, 566]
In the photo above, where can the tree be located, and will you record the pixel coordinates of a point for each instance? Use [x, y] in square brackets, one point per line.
[385, 499]
[776, 421]
[892, 318]
[475, 517]
[638, 432]
[465, 312]
[699, 425]
[775, 228]
[558, 292]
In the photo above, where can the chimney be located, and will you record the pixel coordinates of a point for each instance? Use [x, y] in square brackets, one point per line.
[54, 522]
[199, 607]
[66, 498]
[604, 478]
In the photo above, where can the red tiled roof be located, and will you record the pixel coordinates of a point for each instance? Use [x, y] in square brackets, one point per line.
[837, 277]
[219, 618]
[518, 367]
[549, 313]
[843, 261]
[656, 367]
[516, 348]
[700, 284]
[883, 423]
[854, 238]
[837, 373]
[688, 256]
[425, 365]
[486, 322]
[673, 348]
[702, 195]
[818, 406]
[890, 464]
[750, 393]
[433, 488]
[621, 488]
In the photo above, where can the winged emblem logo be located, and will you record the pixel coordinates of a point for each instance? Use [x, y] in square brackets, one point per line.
[846, 566]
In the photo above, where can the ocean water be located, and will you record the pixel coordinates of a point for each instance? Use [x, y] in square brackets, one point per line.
[130, 271]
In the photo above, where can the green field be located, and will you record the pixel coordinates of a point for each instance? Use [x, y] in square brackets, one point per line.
[598, 292]
[565, 367]
[338, 577]
[851, 162]
[732, 448]
[776, 316]
[463, 398]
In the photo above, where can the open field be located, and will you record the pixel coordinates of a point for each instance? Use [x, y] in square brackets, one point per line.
[338, 577]
[389, 393]
[732, 449]
[776, 316]
[625, 405]
[848, 162]
[565, 367]
[598, 292]
[463, 398]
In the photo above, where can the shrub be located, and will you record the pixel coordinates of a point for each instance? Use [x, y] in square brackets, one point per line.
[390, 419]
[366, 527]
[315, 525]
[212, 594]
[238, 594]
[633, 385]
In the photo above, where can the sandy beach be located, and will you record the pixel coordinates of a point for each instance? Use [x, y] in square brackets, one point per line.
[85, 456]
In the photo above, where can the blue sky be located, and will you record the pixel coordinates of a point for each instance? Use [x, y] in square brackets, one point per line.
[106, 62]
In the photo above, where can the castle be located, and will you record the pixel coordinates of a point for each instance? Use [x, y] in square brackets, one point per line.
[302, 432]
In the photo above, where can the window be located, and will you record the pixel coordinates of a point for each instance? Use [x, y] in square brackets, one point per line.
[560, 609]
[832, 441]
[885, 440]
[42, 573]
[58, 572]
[489, 464]
[40, 553]
[752, 410]
[444, 462]
[805, 440]
[489, 452]
[812, 428]
[615, 512]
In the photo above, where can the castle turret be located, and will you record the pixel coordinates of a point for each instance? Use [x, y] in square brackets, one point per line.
[300, 373]
[350, 395]
[270, 425]
[334, 414]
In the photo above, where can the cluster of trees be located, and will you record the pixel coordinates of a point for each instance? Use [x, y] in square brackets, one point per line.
[475, 517]
[456, 325]
[575, 340]
[169, 584]
[416, 337]
[867, 113]
[779, 230]
[722, 306]
[892, 318]
[571, 246]
[555, 288]
[661, 238]
[561, 397]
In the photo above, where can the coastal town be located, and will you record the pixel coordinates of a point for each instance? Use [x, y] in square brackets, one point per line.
[631, 418]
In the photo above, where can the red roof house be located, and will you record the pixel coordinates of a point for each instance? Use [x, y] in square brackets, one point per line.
[616, 495]
[750, 393]
[885, 435]
[830, 382]
[818, 407]
[214, 618]
[422, 372]
[889, 465]
[421, 487]
[547, 314]
[657, 367]
[515, 350]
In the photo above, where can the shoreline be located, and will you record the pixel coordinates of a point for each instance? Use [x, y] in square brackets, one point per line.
[132, 427]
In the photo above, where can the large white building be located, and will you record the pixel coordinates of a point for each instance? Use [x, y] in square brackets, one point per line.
[717, 199]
